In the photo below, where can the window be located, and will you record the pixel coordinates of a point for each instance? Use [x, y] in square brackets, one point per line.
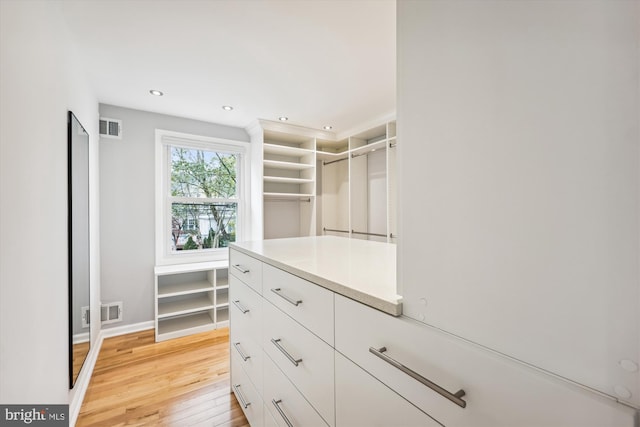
[199, 187]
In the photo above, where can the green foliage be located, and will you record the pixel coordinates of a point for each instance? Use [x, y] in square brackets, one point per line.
[190, 244]
[204, 174]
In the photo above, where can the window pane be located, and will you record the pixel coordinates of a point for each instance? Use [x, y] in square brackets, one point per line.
[201, 173]
[197, 226]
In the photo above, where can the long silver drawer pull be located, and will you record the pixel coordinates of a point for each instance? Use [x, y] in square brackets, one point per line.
[277, 403]
[454, 397]
[237, 346]
[285, 352]
[240, 268]
[243, 401]
[286, 298]
[241, 308]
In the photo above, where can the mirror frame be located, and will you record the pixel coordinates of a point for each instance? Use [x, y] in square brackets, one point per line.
[80, 215]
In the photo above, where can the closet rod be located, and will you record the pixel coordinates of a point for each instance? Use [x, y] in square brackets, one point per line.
[368, 234]
[336, 231]
[354, 155]
[333, 161]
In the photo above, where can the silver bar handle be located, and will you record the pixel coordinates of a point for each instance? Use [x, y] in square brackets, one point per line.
[243, 401]
[454, 397]
[286, 298]
[241, 308]
[244, 357]
[277, 403]
[285, 352]
[240, 268]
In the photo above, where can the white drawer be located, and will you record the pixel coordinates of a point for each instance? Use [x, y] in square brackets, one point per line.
[246, 329]
[246, 268]
[363, 401]
[249, 399]
[303, 357]
[246, 307]
[499, 391]
[269, 421]
[283, 400]
[309, 304]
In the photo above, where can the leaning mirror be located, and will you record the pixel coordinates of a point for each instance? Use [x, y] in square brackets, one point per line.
[78, 226]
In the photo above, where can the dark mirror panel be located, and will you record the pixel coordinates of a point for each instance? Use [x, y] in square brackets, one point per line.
[78, 169]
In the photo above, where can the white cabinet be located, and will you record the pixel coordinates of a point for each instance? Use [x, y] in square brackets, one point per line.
[524, 234]
[190, 298]
[364, 401]
[477, 387]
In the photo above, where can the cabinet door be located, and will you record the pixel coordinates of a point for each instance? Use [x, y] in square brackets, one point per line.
[520, 211]
[363, 401]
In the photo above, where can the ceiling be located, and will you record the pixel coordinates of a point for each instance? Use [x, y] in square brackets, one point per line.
[317, 62]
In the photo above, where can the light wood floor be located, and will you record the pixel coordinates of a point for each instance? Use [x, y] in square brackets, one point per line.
[180, 382]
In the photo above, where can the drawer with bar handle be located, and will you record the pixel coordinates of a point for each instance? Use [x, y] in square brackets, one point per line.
[246, 268]
[309, 304]
[248, 397]
[459, 383]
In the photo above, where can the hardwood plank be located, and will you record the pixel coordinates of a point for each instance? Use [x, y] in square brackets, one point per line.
[180, 382]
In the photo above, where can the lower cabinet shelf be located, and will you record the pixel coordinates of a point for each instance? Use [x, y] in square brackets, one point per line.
[191, 298]
[174, 327]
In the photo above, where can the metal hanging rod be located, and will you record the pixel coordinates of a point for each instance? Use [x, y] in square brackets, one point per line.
[368, 234]
[335, 231]
[393, 236]
[333, 161]
[353, 155]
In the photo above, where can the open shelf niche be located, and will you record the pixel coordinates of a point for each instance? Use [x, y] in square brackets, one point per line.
[190, 298]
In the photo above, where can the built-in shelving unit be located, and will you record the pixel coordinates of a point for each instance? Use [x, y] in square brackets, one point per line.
[314, 183]
[191, 298]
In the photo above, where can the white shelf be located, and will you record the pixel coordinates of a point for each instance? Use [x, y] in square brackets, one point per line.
[285, 150]
[324, 155]
[162, 270]
[287, 196]
[286, 180]
[222, 314]
[369, 148]
[222, 283]
[171, 290]
[222, 299]
[286, 165]
[180, 326]
[184, 306]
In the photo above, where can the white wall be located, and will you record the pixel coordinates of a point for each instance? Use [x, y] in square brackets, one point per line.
[40, 79]
[127, 191]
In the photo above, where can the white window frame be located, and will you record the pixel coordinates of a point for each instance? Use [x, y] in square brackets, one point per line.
[164, 140]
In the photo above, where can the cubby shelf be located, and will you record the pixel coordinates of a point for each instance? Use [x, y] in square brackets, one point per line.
[189, 297]
[277, 164]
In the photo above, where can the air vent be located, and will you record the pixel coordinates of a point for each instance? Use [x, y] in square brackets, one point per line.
[110, 128]
[109, 313]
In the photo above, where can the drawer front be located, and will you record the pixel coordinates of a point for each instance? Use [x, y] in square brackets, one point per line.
[269, 421]
[303, 357]
[246, 329]
[309, 304]
[499, 391]
[363, 401]
[283, 400]
[249, 399]
[246, 268]
[245, 307]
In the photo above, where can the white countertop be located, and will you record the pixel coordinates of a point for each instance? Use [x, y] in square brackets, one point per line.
[358, 269]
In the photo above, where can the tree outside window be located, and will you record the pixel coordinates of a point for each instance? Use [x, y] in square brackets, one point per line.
[204, 198]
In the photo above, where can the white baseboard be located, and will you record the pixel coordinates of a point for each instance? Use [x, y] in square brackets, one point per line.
[82, 383]
[127, 329]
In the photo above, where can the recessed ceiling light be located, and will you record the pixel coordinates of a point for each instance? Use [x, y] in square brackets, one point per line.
[283, 119]
[227, 107]
[156, 92]
[327, 127]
